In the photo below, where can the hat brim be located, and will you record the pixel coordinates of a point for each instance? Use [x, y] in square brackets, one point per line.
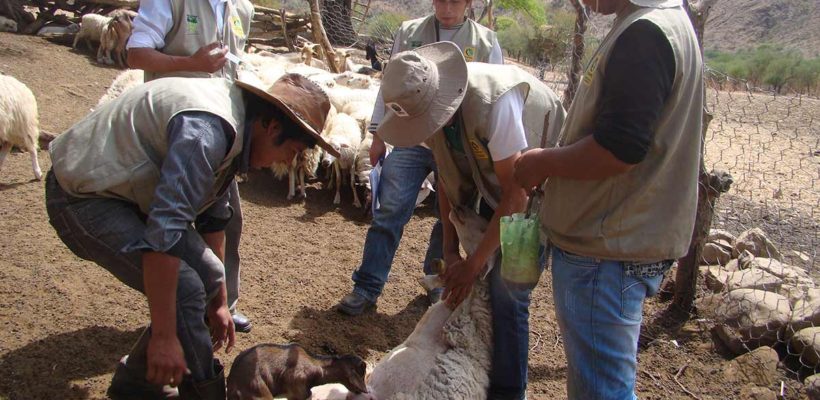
[452, 85]
[282, 105]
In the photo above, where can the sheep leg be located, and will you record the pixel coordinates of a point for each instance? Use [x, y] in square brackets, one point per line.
[338, 171]
[302, 192]
[5, 148]
[291, 183]
[35, 165]
[330, 180]
[356, 202]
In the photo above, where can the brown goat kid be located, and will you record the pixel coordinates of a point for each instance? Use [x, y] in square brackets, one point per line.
[266, 371]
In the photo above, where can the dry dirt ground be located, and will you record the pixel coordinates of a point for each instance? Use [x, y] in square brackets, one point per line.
[65, 322]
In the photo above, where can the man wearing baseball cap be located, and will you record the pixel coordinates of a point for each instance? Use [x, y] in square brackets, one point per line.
[139, 187]
[476, 118]
[621, 198]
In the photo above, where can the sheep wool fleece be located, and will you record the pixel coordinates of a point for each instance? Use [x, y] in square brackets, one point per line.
[118, 154]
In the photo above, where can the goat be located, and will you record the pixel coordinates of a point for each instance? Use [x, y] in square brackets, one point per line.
[91, 29]
[19, 121]
[269, 370]
[344, 134]
[113, 40]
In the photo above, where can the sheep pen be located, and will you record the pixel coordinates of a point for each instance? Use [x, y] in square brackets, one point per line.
[72, 319]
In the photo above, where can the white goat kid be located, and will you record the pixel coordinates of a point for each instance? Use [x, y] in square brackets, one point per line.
[91, 29]
[19, 121]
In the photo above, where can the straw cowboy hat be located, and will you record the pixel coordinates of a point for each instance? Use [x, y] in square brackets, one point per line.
[301, 100]
[422, 89]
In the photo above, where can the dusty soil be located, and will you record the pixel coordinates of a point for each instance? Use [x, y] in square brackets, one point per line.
[67, 321]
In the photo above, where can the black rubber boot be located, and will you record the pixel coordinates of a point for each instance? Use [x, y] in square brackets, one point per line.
[212, 389]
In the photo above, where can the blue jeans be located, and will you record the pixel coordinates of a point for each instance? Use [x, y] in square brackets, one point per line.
[511, 340]
[403, 171]
[599, 309]
[96, 229]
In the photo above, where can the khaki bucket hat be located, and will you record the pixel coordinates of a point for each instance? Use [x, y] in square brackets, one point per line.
[301, 100]
[422, 89]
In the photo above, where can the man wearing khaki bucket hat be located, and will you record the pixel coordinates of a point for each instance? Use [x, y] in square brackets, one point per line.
[476, 118]
[621, 198]
[139, 187]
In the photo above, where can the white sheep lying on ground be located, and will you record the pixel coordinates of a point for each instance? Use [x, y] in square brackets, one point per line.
[124, 81]
[341, 95]
[354, 80]
[7, 24]
[344, 134]
[91, 29]
[19, 121]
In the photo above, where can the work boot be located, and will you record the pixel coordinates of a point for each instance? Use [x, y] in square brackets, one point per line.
[241, 323]
[355, 304]
[212, 389]
[129, 378]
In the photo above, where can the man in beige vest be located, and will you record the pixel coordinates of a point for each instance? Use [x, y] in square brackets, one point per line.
[476, 118]
[139, 187]
[404, 170]
[622, 191]
[196, 38]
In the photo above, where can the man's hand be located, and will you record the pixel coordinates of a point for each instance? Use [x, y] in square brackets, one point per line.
[166, 361]
[209, 58]
[221, 323]
[458, 280]
[377, 150]
[527, 169]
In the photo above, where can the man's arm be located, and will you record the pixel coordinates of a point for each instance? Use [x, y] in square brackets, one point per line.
[203, 60]
[462, 275]
[166, 359]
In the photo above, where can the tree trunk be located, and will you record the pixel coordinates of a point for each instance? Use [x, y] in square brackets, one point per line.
[710, 186]
[490, 15]
[337, 22]
[319, 36]
[577, 53]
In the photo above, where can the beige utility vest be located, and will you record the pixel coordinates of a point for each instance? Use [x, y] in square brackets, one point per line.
[646, 214]
[195, 26]
[474, 40]
[117, 151]
[467, 176]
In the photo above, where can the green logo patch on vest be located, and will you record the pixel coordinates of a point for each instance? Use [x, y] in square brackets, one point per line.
[469, 53]
[192, 21]
[415, 43]
[589, 75]
[478, 150]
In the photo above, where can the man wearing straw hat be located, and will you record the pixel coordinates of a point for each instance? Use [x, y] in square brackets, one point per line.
[621, 197]
[476, 118]
[139, 186]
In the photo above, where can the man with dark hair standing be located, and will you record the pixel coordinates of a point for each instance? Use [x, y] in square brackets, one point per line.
[621, 198]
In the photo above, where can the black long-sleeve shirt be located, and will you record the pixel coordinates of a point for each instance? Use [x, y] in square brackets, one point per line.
[638, 78]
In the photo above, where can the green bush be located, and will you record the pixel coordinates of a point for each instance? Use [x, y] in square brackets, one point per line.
[767, 65]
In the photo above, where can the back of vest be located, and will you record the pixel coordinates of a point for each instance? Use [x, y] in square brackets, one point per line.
[117, 150]
[646, 214]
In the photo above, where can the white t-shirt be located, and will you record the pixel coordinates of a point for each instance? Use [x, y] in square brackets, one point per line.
[507, 135]
[154, 21]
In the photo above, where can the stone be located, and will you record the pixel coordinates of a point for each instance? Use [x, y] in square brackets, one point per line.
[757, 367]
[757, 393]
[756, 242]
[812, 387]
[707, 304]
[750, 318]
[732, 265]
[752, 279]
[714, 278]
[720, 234]
[778, 269]
[805, 314]
[806, 344]
[715, 254]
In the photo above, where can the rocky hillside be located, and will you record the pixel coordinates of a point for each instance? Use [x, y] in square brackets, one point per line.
[739, 24]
